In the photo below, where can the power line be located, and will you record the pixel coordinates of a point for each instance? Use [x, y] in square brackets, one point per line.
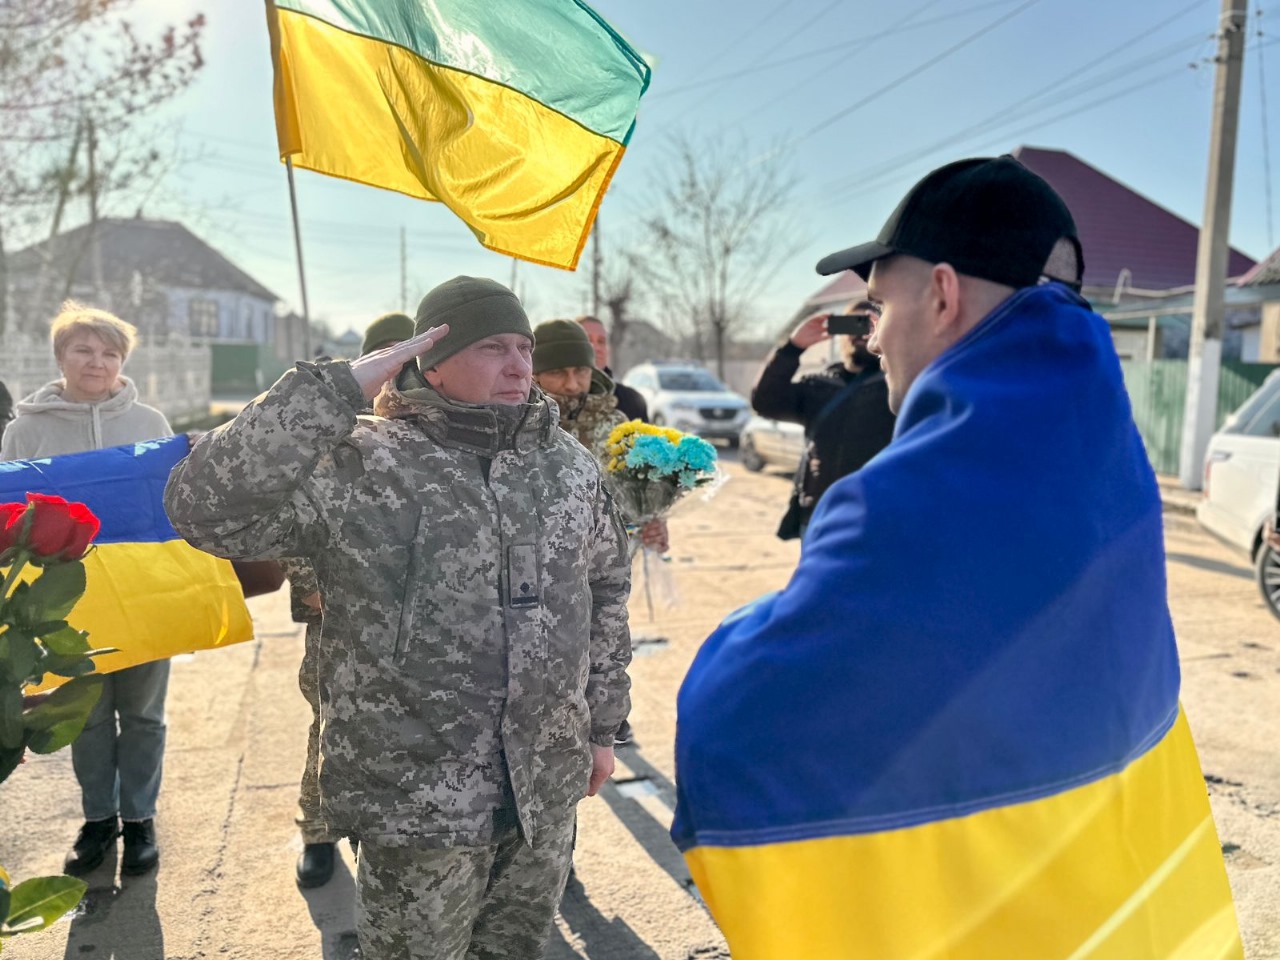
[904, 172]
[843, 45]
[916, 71]
[1027, 105]
[733, 44]
[893, 28]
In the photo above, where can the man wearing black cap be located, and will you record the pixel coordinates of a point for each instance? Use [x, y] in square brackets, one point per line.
[956, 732]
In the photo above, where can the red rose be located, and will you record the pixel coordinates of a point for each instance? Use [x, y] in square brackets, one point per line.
[59, 530]
[10, 524]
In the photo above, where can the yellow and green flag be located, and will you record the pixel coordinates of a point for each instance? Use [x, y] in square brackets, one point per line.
[514, 115]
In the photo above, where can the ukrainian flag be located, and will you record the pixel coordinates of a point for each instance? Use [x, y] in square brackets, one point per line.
[148, 592]
[514, 115]
[956, 734]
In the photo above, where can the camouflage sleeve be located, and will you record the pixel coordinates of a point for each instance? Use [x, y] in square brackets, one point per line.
[608, 685]
[260, 487]
[303, 582]
[302, 575]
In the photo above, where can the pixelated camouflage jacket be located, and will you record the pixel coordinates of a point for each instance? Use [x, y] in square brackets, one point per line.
[590, 420]
[471, 617]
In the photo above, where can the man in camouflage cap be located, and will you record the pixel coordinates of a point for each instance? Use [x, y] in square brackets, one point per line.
[475, 578]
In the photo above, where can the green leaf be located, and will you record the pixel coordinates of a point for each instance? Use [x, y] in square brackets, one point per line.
[57, 721]
[18, 653]
[74, 666]
[38, 902]
[9, 760]
[4, 902]
[54, 593]
[11, 720]
[66, 641]
[49, 626]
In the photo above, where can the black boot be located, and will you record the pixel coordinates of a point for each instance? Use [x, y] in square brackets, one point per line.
[95, 839]
[315, 865]
[140, 851]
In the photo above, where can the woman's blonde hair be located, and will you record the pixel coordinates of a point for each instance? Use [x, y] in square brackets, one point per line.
[77, 318]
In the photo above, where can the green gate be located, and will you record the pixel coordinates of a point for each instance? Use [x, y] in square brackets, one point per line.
[1158, 393]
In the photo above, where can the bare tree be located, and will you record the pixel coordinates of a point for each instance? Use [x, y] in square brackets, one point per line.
[75, 79]
[720, 225]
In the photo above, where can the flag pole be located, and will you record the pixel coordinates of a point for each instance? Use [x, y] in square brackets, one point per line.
[302, 274]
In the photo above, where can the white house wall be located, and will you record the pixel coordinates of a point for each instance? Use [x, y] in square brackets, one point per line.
[241, 316]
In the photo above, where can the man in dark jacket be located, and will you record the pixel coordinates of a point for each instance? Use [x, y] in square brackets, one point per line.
[844, 411]
[630, 401]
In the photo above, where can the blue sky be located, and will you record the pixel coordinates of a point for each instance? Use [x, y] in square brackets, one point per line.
[860, 89]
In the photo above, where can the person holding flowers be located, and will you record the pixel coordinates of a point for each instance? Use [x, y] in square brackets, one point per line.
[564, 368]
[119, 758]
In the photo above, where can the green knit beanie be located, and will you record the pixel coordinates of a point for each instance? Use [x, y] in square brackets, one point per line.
[561, 343]
[387, 329]
[474, 308]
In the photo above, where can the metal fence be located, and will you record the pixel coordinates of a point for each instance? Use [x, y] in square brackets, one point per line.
[173, 377]
[1158, 393]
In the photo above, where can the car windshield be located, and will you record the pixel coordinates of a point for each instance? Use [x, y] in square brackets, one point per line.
[689, 380]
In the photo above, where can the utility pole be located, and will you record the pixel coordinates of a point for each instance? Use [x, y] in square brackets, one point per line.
[302, 273]
[404, 281]
[99, 292]
[595, 268]
[1204, 358]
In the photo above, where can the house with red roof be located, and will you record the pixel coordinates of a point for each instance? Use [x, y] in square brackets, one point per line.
[1140, 266]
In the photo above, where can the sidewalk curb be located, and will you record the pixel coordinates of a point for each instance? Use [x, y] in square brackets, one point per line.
[1178, 506]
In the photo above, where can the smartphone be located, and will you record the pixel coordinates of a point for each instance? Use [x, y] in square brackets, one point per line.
[852, 324]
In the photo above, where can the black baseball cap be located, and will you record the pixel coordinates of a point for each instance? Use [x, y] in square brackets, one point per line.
[989, 217]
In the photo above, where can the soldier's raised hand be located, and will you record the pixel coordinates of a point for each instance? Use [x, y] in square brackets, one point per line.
[374, 369]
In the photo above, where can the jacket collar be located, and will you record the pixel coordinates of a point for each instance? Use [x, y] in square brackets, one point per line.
[484, 429]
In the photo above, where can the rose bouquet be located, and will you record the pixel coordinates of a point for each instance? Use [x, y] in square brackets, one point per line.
[47, 537]
[649, 469]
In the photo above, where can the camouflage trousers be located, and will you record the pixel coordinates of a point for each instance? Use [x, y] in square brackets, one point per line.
[492, 902]
[314, 829]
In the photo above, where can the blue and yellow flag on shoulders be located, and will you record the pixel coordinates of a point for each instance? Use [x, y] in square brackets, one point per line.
[956, 733]
[513, 115]
[148, 592]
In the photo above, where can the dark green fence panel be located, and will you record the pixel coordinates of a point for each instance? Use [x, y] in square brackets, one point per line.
[235, 368]
[1158, 393]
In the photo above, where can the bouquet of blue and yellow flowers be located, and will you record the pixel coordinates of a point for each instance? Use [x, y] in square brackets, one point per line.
[648, 469]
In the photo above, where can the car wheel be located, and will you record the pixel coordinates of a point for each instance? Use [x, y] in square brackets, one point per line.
[1267, 571]
[750, 457]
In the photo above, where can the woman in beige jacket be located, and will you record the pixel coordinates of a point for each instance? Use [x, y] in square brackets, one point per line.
[93, 406]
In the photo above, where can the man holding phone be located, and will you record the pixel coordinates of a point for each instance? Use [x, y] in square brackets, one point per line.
[844, 409]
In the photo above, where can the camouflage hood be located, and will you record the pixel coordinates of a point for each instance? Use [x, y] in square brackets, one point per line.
[483, 429]
[589, 419]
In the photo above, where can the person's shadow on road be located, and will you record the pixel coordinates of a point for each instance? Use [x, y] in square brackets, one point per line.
[333, 911]
[117, 923]
[598, 937]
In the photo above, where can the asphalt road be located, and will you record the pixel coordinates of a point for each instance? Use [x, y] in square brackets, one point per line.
[225, 887]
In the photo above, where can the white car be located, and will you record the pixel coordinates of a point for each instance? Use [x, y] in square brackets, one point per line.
[1241, 480]
[687, 397]
[766, 442]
